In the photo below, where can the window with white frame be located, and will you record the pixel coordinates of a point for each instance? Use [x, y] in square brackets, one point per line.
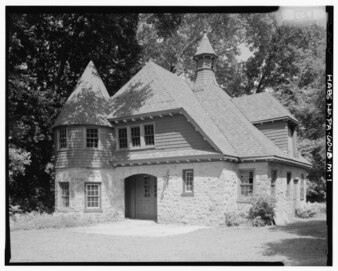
[149, 134]
[93, 195]
[123, 138]
[141, 136]
[188, 182]
[64, 194]
[63, 139]
[92, 138]
[246, 183]
[135, 134]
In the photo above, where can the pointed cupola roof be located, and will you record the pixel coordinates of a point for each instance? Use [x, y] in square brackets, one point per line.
[204, 48]
[205, 58]
[88, 103]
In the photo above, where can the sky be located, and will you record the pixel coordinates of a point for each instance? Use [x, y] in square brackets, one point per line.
[291, 15]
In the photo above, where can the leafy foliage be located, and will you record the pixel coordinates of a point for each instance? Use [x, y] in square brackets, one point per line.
[287, 60]
[262, 210]
[47, 53]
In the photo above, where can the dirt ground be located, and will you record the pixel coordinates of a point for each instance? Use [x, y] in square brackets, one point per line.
[301, 243]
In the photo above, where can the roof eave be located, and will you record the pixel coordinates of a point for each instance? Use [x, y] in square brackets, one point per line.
[273, 158]
[287, 118]
[160, 113]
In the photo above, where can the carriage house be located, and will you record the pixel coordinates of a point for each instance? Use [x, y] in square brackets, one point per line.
[174, 152]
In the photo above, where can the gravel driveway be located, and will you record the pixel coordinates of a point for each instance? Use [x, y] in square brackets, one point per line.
[300, 243]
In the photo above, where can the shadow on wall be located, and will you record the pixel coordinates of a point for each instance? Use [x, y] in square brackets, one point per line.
[308, 248]
[131, 99]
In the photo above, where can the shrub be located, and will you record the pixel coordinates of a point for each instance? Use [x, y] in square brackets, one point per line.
[308, 209]
[235, 219]
[262, 210]
[257, 222]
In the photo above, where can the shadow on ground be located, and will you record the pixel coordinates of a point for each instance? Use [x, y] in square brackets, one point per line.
[308, 247]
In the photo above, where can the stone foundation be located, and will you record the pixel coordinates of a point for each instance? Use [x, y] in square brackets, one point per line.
[216, 187]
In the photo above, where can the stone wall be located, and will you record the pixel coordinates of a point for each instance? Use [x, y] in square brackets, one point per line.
[214, 191]
[112, 199]
[286, 205]
[216, 188]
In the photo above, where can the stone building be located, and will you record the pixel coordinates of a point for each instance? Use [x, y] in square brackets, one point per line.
[166, 150]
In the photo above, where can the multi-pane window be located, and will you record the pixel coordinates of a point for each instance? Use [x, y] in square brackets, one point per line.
[149, 134]
[141, 136]
[123, 138]
[273, 182]
[135, 136]
[246, 185]
[92, 138]
[302, 187]
[288, 184]
[93, 195]
[146, 186]
[155, 189]
[63, 138]
[188, 181]
[64, 192]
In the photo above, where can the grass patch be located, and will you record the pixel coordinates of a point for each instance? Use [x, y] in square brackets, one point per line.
[36, 220]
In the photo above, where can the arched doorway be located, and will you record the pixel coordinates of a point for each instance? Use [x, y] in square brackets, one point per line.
[140, 192]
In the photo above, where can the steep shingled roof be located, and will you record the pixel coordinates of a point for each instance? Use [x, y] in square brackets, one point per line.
[155, 89]
[262, 106]
[205, 47]
[88, 103]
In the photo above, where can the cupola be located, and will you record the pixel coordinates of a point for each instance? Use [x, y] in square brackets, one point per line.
[205, 57]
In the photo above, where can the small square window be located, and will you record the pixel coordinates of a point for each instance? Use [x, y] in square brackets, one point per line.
[63, 138]
[135, 136]
[92, 138]
[149, 134]
[64, 193]
[93, 196]
[123, 138]
[188, 182]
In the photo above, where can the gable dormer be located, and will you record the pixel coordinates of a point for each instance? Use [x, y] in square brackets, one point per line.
[272, 119]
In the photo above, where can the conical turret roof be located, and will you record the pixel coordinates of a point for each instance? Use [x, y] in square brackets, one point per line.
[88, 103]
[205, 47]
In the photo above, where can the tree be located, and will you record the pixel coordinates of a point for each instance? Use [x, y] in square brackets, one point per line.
[47, 53]
[288, 60]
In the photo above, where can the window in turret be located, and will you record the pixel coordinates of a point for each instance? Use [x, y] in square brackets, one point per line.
[63, 139]
[123, 138]
[92, 138]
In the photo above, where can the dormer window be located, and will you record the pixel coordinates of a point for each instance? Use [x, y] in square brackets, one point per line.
[136, 137]
[92, 138]
[149, 134]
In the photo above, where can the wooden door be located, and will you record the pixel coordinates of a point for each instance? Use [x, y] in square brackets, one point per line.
[146, 198]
